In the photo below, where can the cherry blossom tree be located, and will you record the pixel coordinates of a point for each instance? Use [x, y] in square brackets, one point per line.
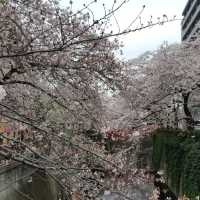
[164, 83]
[54, 65]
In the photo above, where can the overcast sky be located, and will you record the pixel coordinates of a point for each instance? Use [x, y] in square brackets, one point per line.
[149, 39]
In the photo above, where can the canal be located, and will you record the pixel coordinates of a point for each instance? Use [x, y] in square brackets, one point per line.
[25, 183]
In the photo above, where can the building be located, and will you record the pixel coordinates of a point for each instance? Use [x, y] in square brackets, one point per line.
[3, 126]
[19, 133]
[190, 25]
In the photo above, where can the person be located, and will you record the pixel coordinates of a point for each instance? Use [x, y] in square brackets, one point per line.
[164, 192]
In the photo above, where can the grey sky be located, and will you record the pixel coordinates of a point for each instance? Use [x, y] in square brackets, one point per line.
[149, 39]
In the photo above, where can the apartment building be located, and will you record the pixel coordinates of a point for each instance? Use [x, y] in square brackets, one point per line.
[15, 132]
[190, 24]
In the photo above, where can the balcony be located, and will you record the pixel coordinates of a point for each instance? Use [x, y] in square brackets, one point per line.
[191, 25]
[188, 12]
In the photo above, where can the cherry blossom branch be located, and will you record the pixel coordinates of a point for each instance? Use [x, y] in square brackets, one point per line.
[98, 38]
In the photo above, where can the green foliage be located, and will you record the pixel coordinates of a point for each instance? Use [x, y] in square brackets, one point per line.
[178, 153]
[158, 141]
[191, 173]
[3, 2]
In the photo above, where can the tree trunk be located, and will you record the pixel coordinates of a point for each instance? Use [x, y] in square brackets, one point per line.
[176, 117]
[188, 114]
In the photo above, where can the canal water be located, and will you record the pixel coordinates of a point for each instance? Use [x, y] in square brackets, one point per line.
[24, 183]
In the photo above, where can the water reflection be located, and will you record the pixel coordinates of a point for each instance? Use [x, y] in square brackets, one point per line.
[25, 183]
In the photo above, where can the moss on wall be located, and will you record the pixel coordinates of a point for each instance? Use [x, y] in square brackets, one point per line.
[178, 153]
